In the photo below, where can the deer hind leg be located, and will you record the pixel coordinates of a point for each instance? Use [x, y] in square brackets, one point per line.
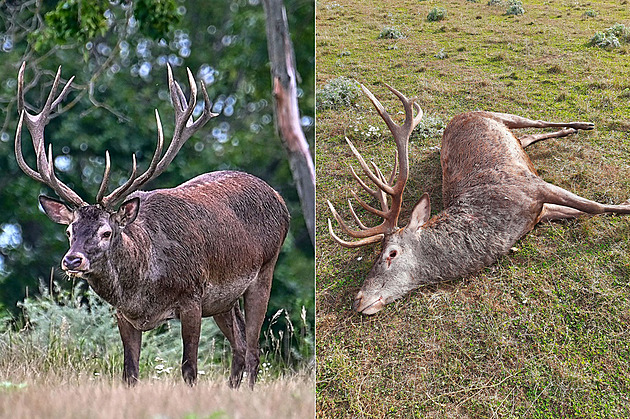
[255, 299]
[552, 194]
[553, 212]
[232, 325]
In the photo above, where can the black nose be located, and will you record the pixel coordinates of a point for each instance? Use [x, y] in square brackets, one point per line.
[72, 261]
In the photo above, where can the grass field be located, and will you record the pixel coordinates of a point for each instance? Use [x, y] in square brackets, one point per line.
[56, 397]
[544, 332]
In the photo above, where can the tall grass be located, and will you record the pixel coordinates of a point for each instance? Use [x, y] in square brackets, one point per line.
[73, 333]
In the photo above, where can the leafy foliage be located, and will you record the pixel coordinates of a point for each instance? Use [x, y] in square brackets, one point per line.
[515, 7]
[76, 327]
[338, 93]
[436, 14]
[389, 32]
[611, 37]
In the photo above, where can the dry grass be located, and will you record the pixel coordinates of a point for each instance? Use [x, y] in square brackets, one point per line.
[53, 397]
[544, 333]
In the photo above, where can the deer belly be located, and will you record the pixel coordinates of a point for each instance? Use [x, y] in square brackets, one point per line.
[219, 298]
[145, 323]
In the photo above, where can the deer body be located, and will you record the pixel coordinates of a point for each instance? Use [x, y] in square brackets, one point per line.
[492, 197]
[203, 242]
[187, 252]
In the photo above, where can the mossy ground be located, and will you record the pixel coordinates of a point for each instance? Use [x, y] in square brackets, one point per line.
[543, 333]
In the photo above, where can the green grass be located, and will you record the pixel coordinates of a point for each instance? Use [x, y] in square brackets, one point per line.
[544, 332]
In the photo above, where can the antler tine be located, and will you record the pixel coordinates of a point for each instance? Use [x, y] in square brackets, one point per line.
[367, 232]
[105, 182]
[36, 124]
[356, 217]
[59, 187]
[368, 240]
[185, 127]
[386, 188]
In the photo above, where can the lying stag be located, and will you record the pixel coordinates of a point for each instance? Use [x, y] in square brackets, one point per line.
[492, 197]
[187, 252]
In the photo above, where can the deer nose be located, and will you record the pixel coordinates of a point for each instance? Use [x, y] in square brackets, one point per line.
[72, 261]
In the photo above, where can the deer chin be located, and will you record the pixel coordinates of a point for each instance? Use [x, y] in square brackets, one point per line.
[368, 304]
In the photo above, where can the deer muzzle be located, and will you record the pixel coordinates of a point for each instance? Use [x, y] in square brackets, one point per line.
[74, 263]
[368, 304]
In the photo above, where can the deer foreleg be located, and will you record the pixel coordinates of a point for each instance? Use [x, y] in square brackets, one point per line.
[132, 342]
[191, 329]
[527, 140]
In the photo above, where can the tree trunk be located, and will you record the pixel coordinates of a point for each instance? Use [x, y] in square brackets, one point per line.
[287, 113]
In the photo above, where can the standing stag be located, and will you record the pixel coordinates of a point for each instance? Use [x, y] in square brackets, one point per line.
[187, 252]
[492, 197]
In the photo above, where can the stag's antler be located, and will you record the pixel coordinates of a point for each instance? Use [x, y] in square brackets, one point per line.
[185, 127]
[36, 123]
[394, 186]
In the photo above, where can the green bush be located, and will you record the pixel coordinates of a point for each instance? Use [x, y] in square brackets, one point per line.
[436, 14]
[390, 33]
[611, 37]
[515, 7]
[338, 93]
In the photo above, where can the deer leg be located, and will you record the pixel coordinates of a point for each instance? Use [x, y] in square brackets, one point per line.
[552, 194]
[191, 329]
[132, 342]
[515, 122]
[232, 324]
[256, 298]
[553, 212]
[527, 140]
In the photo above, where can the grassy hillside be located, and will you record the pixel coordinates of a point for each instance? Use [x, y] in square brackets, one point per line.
[543, 333]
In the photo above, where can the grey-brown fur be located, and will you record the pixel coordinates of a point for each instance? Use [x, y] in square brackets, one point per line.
[192, 251]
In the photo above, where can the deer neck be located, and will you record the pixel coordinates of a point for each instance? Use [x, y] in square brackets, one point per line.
[464, 238]
[121, 277]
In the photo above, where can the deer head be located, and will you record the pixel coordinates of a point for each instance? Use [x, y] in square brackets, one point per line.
[92, 229]
[391, 266]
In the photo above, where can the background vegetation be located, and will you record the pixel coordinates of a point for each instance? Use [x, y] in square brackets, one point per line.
[543, 333]
[118, 52]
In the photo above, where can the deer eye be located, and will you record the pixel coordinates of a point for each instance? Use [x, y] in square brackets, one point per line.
[393, 254]
[106, 234]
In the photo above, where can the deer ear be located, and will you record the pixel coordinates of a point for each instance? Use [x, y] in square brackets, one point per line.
[56, 210]
[420, 214]
[127, 212]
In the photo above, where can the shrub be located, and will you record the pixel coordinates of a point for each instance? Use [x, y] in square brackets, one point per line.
[515, 7]
[611, 37]
[390, 33]
[590, 13]
[430, 126]
[436, 14]
[441, 55]
[495, 3]
[338, 93]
